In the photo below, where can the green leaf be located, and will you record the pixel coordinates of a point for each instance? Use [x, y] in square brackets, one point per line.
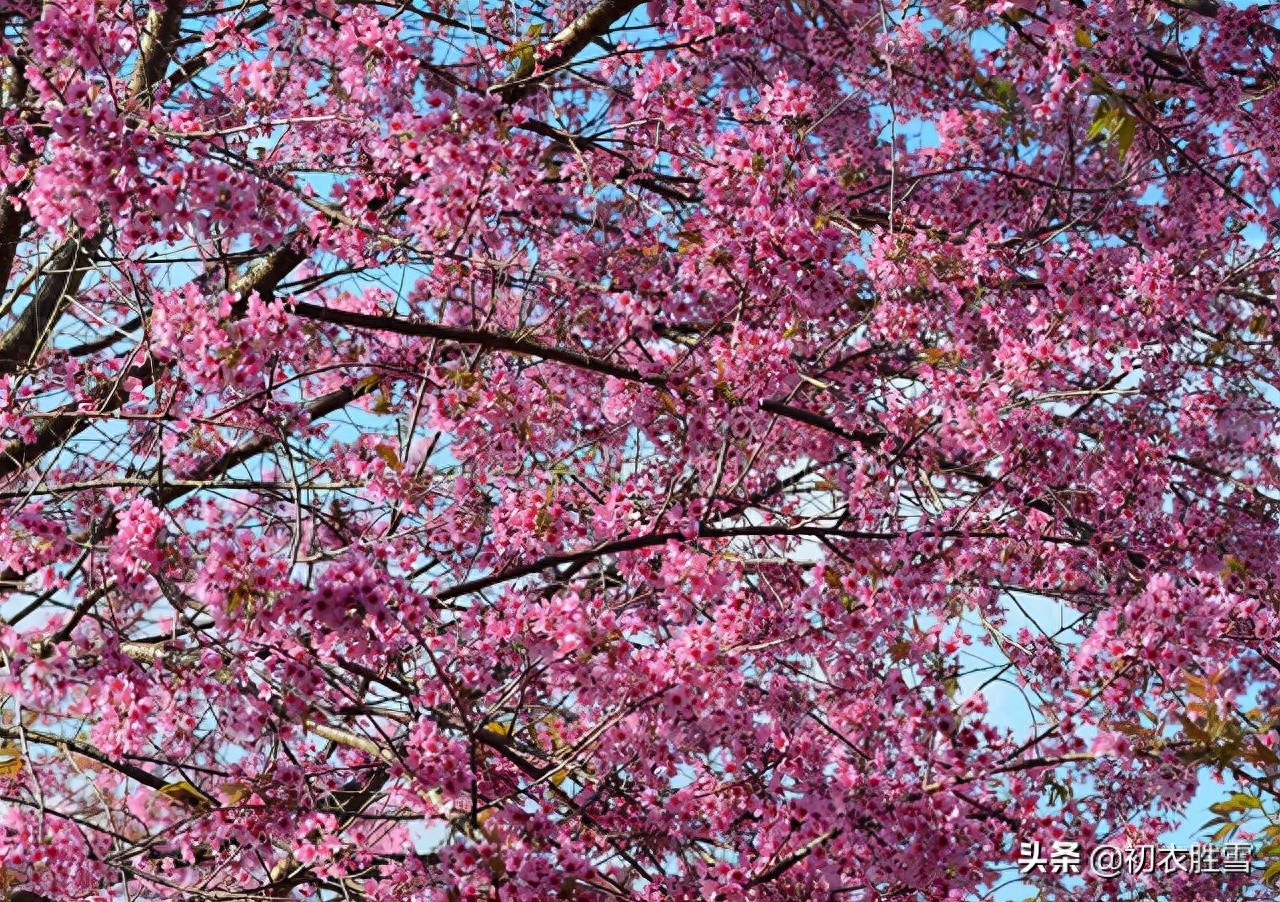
[1112, 123]
[1237, 801]
[522, 58]
[186, 795]
[1004, 93]
[1224, 831]
[1246, 801]
[389, 456]
[1102, 122]
[1124, 134]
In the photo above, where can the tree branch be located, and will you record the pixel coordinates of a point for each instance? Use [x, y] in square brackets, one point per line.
[568, 43]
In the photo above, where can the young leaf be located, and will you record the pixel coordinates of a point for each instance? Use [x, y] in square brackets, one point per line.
[186, 795]
[10, 760]
[1125, 132]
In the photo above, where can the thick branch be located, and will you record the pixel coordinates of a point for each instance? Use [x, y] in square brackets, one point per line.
[635, 543]
[157, 46]
[506, 341]
[71, 421]
[64, 425]
[317, 409]
[137, 774]
[795, 858]
[12, 217]
[589, 26]
[67, 270]
[482, 338]
[76, 256]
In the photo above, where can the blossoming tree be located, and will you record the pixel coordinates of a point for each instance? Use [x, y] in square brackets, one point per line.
[716, 449]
